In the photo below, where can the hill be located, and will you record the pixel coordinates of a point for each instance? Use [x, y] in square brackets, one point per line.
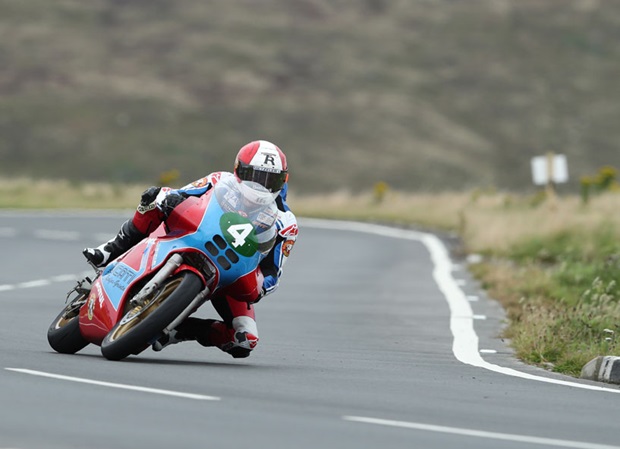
[424, 94]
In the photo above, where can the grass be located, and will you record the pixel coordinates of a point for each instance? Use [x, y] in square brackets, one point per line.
[553, 265]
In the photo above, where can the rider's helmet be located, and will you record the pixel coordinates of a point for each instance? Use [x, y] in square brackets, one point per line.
[263, 163]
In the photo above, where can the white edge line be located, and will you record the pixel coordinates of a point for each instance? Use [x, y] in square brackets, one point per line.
[114, 385]
[480, 433]
[465, 343]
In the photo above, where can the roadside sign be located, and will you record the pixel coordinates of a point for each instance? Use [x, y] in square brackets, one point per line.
[551, 168]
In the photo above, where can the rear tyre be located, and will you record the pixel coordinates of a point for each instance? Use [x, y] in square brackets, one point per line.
[143, 324]
[64, 334]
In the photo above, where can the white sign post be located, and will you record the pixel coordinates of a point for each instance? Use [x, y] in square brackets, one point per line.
[549, 170]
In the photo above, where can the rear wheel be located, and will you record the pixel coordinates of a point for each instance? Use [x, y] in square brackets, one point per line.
[64, 334]
[142, 324]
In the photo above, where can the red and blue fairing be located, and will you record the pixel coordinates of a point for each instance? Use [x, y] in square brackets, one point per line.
[222, 235]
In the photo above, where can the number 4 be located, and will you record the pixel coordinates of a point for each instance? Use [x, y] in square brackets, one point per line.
[239, 232]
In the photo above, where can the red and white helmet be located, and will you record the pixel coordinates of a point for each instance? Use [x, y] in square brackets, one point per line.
[264, 163]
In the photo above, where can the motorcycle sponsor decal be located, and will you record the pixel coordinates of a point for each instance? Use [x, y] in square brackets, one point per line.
[91, 305]
[289, 231]
[239, 233]
[287, 247]
[121, 276]
[117, 281]
[265, 220]
[143, 209]
[215, 177]
[231, 199]
[200, 183]
[100, 294]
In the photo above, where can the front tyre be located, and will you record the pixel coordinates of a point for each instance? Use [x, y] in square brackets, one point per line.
[142, 324]
[64, 334]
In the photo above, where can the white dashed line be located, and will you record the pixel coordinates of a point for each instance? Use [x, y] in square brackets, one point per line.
[33, 284]
[44, 282]
[64, 278]
[8, 232]
[179, 394]
[480, 433]
[57, 235]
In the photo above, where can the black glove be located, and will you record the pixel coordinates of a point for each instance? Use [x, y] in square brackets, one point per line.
[172, 200]
[149, 195]
[147, 201]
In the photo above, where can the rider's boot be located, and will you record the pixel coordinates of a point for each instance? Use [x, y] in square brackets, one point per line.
[170, 339]
[145, 220]
[237, 341]
[190, 329]
[244, 337]
[127, 237]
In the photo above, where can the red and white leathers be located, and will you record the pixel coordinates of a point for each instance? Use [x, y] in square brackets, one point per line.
[238, 333]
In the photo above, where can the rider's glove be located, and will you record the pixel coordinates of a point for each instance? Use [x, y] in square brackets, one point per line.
[147, 201]
[149, 195]
[172, 200]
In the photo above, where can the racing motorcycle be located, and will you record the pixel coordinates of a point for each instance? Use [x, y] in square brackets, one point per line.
[209, 244]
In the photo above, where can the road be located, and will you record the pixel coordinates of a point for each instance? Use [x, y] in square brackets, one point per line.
[374, 339]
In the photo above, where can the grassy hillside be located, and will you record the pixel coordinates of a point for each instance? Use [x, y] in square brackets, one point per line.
[421, 93]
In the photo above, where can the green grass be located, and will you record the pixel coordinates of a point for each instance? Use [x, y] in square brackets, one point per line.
[562, 296]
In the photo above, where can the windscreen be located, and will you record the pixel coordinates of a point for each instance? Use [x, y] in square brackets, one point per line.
[250, 214]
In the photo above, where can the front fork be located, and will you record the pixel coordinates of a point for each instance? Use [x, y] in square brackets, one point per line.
[164, 273]
[151, 286]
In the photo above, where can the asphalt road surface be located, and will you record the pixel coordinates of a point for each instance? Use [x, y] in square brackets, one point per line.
[375, 339]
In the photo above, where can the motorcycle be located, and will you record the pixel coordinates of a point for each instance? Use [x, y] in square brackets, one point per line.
[208, 245]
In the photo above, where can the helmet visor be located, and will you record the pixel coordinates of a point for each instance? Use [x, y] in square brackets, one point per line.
[271, 180]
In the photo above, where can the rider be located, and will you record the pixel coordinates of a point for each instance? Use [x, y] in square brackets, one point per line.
[237, 334]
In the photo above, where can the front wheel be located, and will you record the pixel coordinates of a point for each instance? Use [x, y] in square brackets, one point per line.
[64, 334]
[141, 324]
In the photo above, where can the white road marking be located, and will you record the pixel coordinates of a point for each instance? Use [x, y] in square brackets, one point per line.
[31, 284]
[480, 433]
[64, 278]
[47, 234]
[199, 397]
[57, 235]
[488, 351]
[465, 339]
[8, 232]
[473, 298]
[45, 282]
[100, 237]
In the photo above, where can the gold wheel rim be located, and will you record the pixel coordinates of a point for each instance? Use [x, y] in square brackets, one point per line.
[142, 312]
[67, 317]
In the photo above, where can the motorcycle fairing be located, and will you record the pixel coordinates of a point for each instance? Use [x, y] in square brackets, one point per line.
[214, 225]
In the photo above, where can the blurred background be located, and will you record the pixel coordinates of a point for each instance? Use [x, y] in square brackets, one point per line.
[424, 95]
